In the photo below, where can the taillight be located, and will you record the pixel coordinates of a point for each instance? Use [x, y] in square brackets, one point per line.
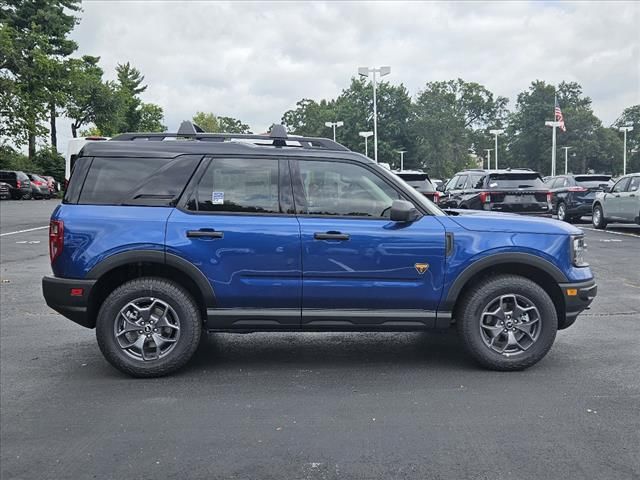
[18, 184]
[56, 238]
[577, 189]
[436, 197]
[549, 197]
[485, 197]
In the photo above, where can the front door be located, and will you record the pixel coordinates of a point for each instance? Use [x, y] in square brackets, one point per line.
[239, 228]
[361, 270]
[630, 200]
[614, 201]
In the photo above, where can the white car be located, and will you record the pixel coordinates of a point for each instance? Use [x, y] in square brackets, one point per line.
[620, 204]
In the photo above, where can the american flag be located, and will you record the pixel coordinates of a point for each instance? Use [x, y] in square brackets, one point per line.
[559, 117]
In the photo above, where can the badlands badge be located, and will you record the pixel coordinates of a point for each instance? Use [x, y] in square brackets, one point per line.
[421, 267]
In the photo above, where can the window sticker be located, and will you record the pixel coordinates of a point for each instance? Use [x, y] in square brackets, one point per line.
[217, 198]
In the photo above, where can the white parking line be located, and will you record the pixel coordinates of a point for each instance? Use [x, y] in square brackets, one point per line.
[23, 231]
[612, 233]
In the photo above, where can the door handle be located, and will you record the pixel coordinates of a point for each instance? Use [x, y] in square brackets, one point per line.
[632, 195]
[204, 234]
[331, 236]
[617, 195]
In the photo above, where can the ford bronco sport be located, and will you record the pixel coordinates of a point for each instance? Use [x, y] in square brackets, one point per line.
[163, 236]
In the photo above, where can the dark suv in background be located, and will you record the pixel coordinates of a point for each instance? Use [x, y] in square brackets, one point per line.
[572, 196]
[19, 183]
[510, 190]
[421, 182]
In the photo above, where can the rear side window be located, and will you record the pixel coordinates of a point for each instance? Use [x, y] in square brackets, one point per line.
[475, 181]
[137, 181]
[238, 185]
[515, 180]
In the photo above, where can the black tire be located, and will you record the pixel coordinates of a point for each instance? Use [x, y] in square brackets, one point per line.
[26, 196]
[172, 294]
[562, 212]
[598, 219]
[481, 296]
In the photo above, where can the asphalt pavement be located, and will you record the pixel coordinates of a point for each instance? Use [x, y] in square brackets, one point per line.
[317, 406]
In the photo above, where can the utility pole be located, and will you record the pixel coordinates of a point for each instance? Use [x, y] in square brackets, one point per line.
[364, 72]
[625, 129]
[553, 125]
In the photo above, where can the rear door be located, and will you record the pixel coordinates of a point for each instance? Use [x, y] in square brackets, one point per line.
[359, 268]
[239, 228]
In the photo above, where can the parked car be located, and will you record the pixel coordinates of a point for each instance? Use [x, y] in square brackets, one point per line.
[421, 182]
[620, 203]
[19, 184]
[436, 182]
[572, 195]
[511, 190]
[5, 191]
[52, 184]
[39, 187]
[156, 241]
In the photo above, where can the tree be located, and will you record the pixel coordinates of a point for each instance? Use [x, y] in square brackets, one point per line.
[130, 87]
[88, 99]
[450, 120]
[530, 140]
[151, 117]
[631, 116]
[207, 121]
[33, 36]
[232, 125]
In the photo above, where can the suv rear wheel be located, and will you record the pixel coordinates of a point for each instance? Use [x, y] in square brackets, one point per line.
[507, 322]
[148, 327]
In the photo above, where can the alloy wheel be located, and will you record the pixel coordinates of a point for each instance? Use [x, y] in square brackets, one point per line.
[510, 324]
[147, 328]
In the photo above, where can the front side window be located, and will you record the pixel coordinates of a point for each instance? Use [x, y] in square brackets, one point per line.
[461, 181]
[452, 183]
[344, 189]
[621, 186]
[634, 184]
[238, 185]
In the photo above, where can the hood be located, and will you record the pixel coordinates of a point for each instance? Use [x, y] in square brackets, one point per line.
[481, 221]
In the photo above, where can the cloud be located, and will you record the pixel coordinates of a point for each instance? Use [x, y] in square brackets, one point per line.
[254, 61]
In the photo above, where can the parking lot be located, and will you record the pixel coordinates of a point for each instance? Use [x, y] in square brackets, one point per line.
[318, 406]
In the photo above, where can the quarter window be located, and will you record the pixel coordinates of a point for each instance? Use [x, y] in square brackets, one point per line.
[238, 185]
[344, 189]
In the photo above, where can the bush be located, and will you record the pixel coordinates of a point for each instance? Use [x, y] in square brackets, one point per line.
[49, 162]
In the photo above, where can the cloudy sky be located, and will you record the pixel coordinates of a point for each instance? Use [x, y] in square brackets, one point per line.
[254, 61]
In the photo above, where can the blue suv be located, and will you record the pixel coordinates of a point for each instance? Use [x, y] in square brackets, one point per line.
[163, 236]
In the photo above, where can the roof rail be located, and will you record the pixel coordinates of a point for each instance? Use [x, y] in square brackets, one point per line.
[277, 138]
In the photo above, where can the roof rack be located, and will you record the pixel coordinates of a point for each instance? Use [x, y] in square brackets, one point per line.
[277, 138]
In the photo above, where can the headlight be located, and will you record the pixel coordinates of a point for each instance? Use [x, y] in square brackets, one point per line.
[578, 249]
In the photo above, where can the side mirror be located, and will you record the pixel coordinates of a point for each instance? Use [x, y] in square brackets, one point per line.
[403, 211]
[608, 189]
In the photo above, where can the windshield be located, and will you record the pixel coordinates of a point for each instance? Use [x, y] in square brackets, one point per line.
[515, 180]
[594, 181]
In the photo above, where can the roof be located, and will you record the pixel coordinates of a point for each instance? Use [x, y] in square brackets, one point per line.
[190, 140]
[499, 171]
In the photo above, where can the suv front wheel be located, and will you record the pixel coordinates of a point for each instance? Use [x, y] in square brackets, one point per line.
[148, 327]
[507, 322]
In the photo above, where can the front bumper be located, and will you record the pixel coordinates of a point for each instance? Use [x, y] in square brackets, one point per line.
[70, 298]
[577, 298]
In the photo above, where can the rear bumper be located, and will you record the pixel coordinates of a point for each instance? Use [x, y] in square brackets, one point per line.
[578, 297]
[58, 295]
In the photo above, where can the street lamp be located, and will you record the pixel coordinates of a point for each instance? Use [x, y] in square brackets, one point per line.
[333, 125]
[364, 72]
[496, 133]
[553, 125]
[566, 158]
[401, 152]
[625, 129]
[366, 136]
[488, 150]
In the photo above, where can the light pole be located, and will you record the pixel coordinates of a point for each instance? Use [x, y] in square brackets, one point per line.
[496, 133]
[553, 125]
[366, 136]
[625, 129]
[488, 150]
[566, 158]
[401, 152]
[364, 72]
[333, 125]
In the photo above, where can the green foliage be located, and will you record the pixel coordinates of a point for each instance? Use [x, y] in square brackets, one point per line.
[49, 162]
[207, 121]
[151, 117]
[631, 116]
[210, 123]
[33, 40]
[529, 140]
